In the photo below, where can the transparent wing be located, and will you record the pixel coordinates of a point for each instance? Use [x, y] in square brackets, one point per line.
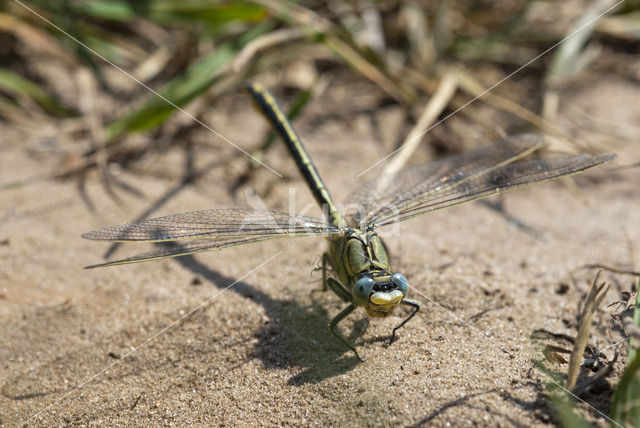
[178, 248]
[209, 230]
[413, 184]
[485, 184]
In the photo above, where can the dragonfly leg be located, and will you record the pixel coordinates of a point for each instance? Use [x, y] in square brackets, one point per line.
[334, 322]
[407, 302]
[325, 267]
[339, 289]
[334, 285]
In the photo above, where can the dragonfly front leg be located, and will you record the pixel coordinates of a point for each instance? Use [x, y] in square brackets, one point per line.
[334, 322]
[325, 267]
[407, 302]
[334, 285]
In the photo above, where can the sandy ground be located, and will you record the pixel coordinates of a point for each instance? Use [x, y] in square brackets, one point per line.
[257, 350]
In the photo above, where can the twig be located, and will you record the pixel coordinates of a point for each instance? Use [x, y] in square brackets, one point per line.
[603, 372]
[595, 297]
[314, 22]
[609, 268]
[436, 105]
[268, 40]
[471, 86]
[569, 57]
[368, 70]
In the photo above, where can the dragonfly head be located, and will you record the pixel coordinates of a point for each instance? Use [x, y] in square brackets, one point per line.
[380, 294]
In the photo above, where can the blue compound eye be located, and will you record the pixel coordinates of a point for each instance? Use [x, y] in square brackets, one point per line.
[401, 282]
[362, 289]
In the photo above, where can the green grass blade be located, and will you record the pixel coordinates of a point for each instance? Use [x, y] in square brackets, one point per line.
[168, 12]
[16, 85]
[195, 80]
[182, 89]
[114, 10]
[565, 410]
[625, 407]
[214, 14]
[633, 347]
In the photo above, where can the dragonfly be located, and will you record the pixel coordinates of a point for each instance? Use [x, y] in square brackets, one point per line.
[356, 266]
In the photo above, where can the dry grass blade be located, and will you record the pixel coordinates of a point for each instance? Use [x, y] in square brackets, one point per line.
[271, 39]
[610, 269]
[90, 106]
[430, 85]
[625, 26]
[435, 106]
[474, 88]
[625, 406]
[421, 38]
[296, 13]
[602, 373]
[631, 322]
[316, 23]
[371, 72]
[595, 297]
[23, 88]
[153, 65]
[572, 56]
[631, 329]
[36, 39]
[197, 79]
[569, 57]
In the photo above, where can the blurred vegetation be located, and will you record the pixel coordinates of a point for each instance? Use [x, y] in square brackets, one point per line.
[625, 407]
[57, 58]
[571, 396]
[200, 49]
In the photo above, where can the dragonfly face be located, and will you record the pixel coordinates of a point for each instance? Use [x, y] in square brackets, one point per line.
[363, 265]
[380, 294]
